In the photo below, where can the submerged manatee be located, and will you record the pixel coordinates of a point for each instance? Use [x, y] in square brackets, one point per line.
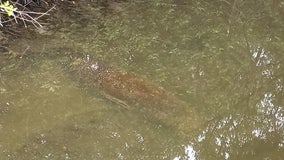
[137, 93]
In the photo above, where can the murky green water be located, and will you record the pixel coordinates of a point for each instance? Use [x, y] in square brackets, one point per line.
[224, 59]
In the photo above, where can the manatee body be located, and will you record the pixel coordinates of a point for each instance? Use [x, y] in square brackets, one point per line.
[139, 94]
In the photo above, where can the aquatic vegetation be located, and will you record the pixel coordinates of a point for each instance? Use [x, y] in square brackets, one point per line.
[8, 8]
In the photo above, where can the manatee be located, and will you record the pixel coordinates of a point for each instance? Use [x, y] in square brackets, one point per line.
[137, 93]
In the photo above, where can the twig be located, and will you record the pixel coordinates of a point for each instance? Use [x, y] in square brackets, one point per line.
[25, 15]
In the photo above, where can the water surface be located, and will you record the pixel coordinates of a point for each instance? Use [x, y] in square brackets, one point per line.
[222, 58]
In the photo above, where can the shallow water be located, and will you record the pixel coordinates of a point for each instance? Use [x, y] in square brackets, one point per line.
[222, 58]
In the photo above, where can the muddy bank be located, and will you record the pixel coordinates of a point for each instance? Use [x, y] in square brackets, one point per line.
[136, 93]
